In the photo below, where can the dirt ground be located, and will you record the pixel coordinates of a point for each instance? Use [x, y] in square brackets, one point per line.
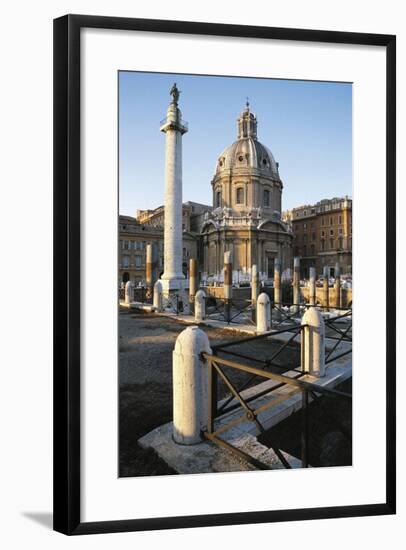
[145, 362]
[145, 378]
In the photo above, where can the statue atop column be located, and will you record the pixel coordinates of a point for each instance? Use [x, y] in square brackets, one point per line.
[175, 93]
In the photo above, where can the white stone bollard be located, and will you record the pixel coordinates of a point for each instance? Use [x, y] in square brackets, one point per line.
[313, 353]
[200, 306]
[158, 302]
[263, 313]
[312, 286]
[190, 386]
[128, 293]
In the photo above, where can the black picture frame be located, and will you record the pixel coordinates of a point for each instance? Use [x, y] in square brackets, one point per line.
[67, 272]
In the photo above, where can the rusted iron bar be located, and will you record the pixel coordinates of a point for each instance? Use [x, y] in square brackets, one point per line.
[279, 377]
[257, 337]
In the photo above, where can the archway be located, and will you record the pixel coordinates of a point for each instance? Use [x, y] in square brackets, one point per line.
[126, 277]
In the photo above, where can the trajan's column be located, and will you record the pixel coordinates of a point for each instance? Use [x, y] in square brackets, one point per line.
[173, 280]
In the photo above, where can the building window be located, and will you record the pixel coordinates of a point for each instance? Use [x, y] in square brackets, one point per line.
[340, 230]
[126, 245]
[305, 250]
[340, 243]
[331, 221]
[322, 221]
[266, 197]
[323, 244]
[240, 195]
[322, 233]
[339, 219]
[137, 261]
[331, 232]
[331, 244]
[305, 238]
[126, 261]
[305, 226]
[218, 199]
[312, 249]
[313, 236]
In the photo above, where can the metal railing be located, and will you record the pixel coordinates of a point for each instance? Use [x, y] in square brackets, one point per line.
[217, 367]
[174, 304]
[230, 310]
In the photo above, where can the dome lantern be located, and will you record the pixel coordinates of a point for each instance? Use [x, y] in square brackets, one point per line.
[247, 124]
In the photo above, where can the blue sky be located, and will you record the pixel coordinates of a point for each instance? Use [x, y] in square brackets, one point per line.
[307, 126]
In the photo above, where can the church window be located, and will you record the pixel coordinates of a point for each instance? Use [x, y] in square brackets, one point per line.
[240, 158]
[218, 199]
[264, 161]
[266, 197]
[240, 195]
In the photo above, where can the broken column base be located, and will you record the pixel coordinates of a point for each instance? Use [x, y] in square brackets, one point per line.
[175, 295]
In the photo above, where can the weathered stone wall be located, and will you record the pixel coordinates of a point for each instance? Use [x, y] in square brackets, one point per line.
[346, 296]
[244, 293]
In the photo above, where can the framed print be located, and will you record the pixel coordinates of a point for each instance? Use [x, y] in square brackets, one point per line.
[224, 223]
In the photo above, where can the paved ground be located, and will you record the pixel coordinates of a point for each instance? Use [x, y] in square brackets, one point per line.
[145, 354]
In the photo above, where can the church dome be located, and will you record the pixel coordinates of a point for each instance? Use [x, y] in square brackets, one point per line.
[247, 152]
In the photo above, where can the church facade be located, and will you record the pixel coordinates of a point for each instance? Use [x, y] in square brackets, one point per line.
[245, 216]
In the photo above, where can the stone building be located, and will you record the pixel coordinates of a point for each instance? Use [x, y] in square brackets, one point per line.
[134, 236]
[246, 215]
[323, 235]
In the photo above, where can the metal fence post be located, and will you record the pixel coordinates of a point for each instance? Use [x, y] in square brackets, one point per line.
[192, 283]
[254, 290]
[296, 284]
